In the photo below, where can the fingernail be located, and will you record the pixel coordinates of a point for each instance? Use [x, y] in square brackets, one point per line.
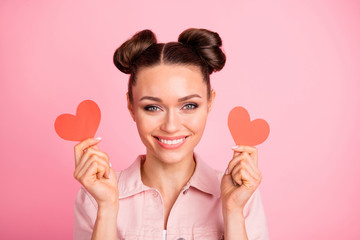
[98, 138]
[110, 164]
[235, 147]
[227, 171]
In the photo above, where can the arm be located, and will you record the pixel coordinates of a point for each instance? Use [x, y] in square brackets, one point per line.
[92, 221]
[85, 211]
[234, 226]
[96, 206]
[105, 225]
[243, 212]
[249, 224]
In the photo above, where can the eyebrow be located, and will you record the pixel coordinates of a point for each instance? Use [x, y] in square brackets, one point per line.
[179, 100]
[188, 97]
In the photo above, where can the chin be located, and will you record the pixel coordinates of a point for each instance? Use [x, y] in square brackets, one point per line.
[171, 156]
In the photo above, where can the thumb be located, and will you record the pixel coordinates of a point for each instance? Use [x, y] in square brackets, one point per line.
[112, 175]
[226, 183]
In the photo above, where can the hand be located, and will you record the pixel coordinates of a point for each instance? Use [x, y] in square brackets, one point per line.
[93, 171]
[241, 180]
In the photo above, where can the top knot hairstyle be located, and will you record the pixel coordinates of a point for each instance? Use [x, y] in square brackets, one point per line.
[195, 46]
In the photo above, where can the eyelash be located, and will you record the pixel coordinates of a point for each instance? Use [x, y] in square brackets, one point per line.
[193, 106]
[148, 107]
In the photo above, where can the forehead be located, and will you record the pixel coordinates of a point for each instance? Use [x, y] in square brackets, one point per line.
[169, 80]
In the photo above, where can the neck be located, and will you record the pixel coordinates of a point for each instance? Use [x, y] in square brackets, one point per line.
[168, 178]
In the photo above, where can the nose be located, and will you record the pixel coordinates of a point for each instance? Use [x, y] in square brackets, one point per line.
[171, 122]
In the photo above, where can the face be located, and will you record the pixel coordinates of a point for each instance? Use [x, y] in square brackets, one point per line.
[170, 109]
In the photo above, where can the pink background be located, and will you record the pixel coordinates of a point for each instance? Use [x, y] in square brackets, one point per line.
[293, 63]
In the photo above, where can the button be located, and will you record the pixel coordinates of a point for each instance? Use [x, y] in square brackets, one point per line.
[155, 194]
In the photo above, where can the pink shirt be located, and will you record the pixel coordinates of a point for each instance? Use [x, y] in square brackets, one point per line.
[196, 214]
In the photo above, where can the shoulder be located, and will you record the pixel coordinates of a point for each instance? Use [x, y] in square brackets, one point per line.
[219, 174]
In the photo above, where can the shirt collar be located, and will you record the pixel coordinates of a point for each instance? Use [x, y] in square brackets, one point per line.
[204, 179]
[129, 182]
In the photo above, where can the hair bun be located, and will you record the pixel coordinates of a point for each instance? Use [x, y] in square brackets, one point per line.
[207, 45]
[130, 50]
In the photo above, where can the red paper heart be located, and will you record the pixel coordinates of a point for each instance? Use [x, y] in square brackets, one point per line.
[81, 126]
[244, 131]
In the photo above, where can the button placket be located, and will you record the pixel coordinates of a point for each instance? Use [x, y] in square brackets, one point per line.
[153, 209]
[155, 194]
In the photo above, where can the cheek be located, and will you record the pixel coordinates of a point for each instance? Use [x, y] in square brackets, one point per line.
[145, 123]
[196, 122]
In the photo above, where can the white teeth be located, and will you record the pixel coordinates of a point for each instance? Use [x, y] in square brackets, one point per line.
[171, 142]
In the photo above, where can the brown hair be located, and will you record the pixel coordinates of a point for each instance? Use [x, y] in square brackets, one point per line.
[195, 46]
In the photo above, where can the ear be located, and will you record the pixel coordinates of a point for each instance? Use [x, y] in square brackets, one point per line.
[211, 100]
[130, 107]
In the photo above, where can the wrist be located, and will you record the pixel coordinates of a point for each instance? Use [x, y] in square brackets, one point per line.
[108, 209]
[234, 215]
[234, 225]
[231, 210]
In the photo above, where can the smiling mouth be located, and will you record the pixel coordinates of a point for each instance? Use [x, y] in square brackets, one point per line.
[171, 142]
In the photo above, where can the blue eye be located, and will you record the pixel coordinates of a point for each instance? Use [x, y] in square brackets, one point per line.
[190, 106]
[151, 108]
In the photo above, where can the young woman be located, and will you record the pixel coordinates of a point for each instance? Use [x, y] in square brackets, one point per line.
[169, 192]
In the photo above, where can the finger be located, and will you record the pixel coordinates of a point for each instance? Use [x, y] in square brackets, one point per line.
[98, 172]
[81, 171]
[236, 177]
[236, 160]
[248, 181]
[244, 148]
[102, 171]
[233, 163]
[242, 176]
[236, 153]
[95, 150]
[94, 158]
[107, 158]
[113, 176]
[91, 151]
[108, 170]
[252, 151]
[90, 172]
[96, 147]
[245, 165]
[227, 183]
[246, 158]
[80, 147]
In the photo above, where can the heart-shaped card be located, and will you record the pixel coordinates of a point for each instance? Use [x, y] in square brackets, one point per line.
[81, 126]
[244, 131]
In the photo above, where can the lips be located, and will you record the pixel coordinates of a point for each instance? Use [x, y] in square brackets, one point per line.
[170, 142]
